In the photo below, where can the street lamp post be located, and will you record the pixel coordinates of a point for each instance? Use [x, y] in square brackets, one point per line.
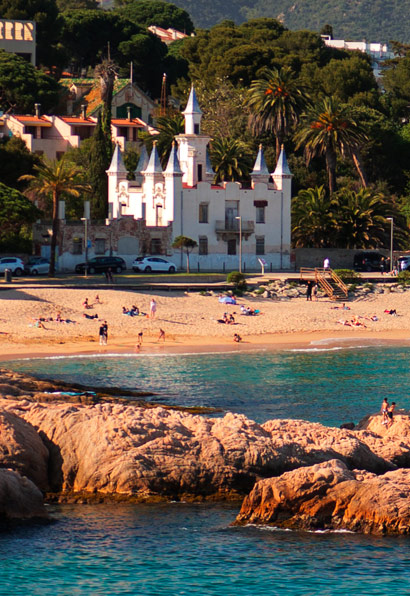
[240, 242]
[84, 219]
[390, 219]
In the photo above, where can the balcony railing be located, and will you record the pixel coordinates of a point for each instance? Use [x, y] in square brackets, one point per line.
[229, 227]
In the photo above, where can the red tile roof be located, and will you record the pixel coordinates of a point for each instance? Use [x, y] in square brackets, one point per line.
[125, 122]
[78, 120]
[33, 121]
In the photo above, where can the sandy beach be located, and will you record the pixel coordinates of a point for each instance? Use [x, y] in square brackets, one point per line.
[190, 322]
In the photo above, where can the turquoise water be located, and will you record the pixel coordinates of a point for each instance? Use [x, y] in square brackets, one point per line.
[329, 386]
[179, 549]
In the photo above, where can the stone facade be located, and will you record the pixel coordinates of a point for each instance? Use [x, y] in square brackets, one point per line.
[126, 237]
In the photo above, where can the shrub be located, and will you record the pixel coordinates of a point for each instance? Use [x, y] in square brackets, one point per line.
[353, 287]
[293, 284]
[238, 280]
[403, 278]
[347, 275]
[368, 285]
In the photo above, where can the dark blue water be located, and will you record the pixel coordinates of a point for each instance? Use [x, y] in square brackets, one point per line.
[330, 387]
[184, 549]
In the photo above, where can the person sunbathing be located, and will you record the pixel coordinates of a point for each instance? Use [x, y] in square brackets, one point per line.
[343, 307]
[391, 312]
[237, 338]
[356, 323]
[344, 322]
[89, 316]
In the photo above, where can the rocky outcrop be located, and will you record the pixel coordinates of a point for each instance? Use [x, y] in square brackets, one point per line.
[391, 443]
[125, 450]
[300, 443]
[22, 449]
[330, 496]
[20, 499]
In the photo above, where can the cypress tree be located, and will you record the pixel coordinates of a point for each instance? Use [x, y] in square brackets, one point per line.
[99, 164]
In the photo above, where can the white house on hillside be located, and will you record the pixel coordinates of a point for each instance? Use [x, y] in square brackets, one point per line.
[223, 219]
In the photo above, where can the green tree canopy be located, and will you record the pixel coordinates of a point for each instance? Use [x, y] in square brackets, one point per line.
[156, 12]
[21, 86]
[168, 127]
[16, 211]
[15, 161]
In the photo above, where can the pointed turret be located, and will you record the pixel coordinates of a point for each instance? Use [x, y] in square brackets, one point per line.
[173, 166]
[193, 115]
[260, 172]
[209, 171]
[282, 176]
[154, 164]
[117, 165]
[282, 168]
[141, 166]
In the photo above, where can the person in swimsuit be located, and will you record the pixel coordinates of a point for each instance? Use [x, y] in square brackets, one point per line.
[384, 410]
[390, 411]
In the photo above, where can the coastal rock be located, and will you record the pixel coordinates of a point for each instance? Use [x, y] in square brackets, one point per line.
[20, 499]
[330, 496]
[392, 443]
[300, 443]
[22, 449]
[119, 449]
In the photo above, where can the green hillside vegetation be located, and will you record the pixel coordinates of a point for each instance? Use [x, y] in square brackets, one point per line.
[258, 83]
[374, 20]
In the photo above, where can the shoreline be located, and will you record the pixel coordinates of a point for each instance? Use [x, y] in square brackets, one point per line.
[320, 340]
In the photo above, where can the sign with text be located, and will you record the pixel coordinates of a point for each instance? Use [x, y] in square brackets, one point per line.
[17, 30]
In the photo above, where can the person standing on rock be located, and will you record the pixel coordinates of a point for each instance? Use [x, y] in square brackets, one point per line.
[390, 411]
[384, 411]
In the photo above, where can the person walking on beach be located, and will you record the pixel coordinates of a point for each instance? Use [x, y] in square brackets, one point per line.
[152, 308]
[326, 264]
[103, 332]
[161, 335]
[309, 290]
[314, 292]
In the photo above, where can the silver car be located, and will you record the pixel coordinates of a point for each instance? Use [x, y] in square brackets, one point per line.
[39, 266]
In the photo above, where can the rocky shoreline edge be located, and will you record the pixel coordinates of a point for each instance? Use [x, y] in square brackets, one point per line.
[289, 473]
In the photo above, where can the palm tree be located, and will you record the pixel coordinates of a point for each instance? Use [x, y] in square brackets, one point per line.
[55, 178]
[276, 101]
[329, 127]
[168, 128]
[363, 219]
[230, 159]
[314, 222]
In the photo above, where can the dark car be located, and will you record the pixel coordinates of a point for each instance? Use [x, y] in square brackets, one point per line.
[368, 261]
[102, 264]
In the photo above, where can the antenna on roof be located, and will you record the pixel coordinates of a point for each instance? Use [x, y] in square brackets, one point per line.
[163, 101]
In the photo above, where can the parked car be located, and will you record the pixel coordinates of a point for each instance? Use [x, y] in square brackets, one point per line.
[15, 265]
[102, 264]
[148, 264]
[37, 266]
[403, 263]
[368, 261]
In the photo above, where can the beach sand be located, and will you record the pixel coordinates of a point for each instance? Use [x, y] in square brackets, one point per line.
[189, 321]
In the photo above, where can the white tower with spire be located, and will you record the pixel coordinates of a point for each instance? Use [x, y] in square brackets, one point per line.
[116, 173]
[173, 191]
[193, 144]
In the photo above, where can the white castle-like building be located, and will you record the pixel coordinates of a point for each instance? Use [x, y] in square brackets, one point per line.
[226, 221]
